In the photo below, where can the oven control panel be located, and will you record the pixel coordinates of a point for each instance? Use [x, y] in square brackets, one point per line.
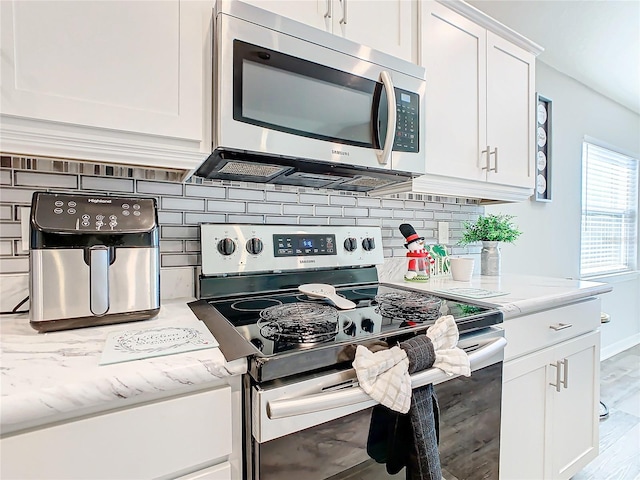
[233, 249]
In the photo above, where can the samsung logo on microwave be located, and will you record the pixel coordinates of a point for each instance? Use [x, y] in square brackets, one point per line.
[340, 152]
[307, 261]
[99, 200]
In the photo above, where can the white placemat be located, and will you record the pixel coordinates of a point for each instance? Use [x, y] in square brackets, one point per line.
[471, 292]
[154, 342]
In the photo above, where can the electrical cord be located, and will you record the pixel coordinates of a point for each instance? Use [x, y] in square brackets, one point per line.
[15, 309]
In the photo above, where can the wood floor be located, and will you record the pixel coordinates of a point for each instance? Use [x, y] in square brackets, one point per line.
[619, 457]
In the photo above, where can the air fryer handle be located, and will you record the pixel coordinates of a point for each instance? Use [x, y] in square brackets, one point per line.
[99, 279]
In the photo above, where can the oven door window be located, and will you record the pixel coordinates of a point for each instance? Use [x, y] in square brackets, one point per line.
[288, 94]
[469, 441]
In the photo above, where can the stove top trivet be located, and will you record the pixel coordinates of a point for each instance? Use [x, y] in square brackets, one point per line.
[299, 323]
[409, 306]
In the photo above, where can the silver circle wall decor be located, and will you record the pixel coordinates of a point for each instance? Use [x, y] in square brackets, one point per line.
[542, 191]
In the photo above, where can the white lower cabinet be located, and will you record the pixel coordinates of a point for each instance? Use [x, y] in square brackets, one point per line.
[218, 472]
[195, 432]
[550, 404]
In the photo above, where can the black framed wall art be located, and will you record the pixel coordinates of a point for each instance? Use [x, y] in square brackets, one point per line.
[543, 149]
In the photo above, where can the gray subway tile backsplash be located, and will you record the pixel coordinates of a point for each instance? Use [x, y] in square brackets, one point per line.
[6, 212]
[204, 191]
[183, 206]
[45, 180]
[106, 184]
[158, 188]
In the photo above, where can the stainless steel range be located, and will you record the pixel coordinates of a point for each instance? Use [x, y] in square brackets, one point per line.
[267, 293]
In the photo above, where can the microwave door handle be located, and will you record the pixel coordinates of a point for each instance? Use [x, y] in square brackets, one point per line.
[318, 402]
[384, 155]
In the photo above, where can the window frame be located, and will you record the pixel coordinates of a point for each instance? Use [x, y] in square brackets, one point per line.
[628, 213]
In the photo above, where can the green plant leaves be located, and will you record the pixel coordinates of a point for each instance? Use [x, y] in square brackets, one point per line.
[491, 228]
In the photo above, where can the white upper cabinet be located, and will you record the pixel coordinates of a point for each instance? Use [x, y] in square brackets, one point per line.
[510, 113]
[131, 77]
[385, 25]
[480, 105]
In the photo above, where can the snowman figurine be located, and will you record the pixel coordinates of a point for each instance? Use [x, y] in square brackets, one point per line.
[419, 258]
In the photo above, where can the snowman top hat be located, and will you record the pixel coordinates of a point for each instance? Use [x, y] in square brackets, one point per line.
[409, 234]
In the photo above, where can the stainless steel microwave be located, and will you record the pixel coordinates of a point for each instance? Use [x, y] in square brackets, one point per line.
[296, 105]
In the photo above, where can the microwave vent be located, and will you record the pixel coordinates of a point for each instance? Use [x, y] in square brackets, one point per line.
[368, 182]
[252, 169]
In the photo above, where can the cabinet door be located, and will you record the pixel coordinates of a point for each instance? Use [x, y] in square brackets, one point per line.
[316, 13]
[524, 418]
[575, 420]
[453, 53]
[384, 25]
[88, 72]
[510, 112]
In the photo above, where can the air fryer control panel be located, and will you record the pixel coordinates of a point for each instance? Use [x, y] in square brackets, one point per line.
[91, 213]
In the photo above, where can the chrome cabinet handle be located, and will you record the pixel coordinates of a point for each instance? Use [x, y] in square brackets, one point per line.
[329, 9]
[557, 384]
[487, 166]
[344, 12]
[565, 381]
[495, 167]
[318, 402]
[560, 326]
[487, 162]
[384, 155]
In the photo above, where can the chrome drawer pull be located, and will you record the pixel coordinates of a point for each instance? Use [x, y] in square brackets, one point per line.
[561, 326]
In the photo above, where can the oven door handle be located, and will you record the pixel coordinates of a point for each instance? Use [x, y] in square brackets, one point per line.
[290, 407]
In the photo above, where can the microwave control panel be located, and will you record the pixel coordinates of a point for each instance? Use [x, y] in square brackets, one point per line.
[407, 118]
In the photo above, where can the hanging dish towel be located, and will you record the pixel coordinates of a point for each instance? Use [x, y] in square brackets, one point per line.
[411, 440]
[384, 376]
[449, 358]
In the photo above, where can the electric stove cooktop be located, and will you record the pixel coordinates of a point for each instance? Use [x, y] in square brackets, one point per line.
[282, 322]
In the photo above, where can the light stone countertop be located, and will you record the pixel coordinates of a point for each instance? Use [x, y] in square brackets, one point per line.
[526, 293]
[47, 377]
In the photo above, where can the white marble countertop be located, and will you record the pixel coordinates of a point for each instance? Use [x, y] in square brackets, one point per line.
[525, 294]
[47, 377]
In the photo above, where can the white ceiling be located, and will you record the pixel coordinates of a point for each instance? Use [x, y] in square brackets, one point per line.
[596, 42]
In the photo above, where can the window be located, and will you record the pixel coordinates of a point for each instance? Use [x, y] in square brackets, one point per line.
[609, 239]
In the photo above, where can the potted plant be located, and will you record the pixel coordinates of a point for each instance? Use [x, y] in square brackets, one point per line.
[490, 230]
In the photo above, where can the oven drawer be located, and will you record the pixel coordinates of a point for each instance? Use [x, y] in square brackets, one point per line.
[540, 330]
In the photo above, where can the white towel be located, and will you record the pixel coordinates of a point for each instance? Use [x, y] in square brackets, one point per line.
[384, 376]
[451, 359]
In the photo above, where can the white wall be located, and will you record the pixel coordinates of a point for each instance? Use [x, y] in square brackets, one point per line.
[550, 244]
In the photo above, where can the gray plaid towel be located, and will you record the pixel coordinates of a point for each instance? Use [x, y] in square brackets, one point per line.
[424, 460]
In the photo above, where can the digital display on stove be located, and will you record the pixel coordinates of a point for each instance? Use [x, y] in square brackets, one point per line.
[296, 245]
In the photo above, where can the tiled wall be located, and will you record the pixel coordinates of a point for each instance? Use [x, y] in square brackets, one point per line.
[183, 206]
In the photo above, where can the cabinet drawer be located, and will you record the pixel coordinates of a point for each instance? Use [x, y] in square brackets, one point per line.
[147, 441]
[540, 330]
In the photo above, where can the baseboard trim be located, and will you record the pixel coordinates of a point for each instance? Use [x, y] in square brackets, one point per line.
[621, 346]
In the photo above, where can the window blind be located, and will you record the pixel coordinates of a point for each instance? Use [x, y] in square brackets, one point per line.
[609, 211]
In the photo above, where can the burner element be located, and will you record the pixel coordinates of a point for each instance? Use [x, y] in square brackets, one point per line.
[299, 323]
[255, 305]
[409, 306]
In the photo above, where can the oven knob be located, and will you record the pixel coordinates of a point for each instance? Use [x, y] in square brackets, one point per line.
[368, 244]
[367, 325]
[254, 246]
[350, 244]
[226, 246]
